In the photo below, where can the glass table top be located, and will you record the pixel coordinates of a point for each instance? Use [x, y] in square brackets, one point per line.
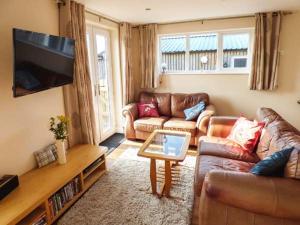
[166, 144]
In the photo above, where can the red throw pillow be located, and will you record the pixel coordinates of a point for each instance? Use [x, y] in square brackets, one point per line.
[148, 110]
[246, 133]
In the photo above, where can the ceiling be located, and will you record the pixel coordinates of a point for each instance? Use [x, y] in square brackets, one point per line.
[162, 11]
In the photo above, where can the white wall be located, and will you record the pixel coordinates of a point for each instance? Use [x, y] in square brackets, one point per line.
[24, 120]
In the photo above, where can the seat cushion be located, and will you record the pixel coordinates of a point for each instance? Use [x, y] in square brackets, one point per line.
[181, 124]
[206, 163]
[149, 124]
[222, 147]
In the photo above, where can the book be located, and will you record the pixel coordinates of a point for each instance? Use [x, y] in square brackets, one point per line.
[63, 196]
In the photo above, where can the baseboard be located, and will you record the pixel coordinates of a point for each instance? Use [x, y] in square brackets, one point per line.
[120, 130]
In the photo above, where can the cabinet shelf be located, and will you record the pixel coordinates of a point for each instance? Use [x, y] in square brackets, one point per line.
[93, 177]
[34, 193]
[34, 216]
[85, 175]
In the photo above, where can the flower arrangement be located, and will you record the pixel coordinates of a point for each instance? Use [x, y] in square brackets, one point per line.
[59, 127]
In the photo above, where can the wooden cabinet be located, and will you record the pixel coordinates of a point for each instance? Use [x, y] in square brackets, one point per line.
[32, 200]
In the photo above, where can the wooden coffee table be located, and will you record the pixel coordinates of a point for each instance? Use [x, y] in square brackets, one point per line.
[170, 146]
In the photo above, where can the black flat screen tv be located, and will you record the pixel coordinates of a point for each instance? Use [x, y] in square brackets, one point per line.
[41, 61]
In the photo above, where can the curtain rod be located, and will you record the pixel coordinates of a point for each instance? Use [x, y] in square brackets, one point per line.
[216, 18]
[208, 19]
[101, 17]
[184, 21]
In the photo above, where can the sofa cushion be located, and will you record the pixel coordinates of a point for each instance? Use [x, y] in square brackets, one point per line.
[267, 115]
[149, 124]
[194, 112]
[147, 110]
[246, 133]
[274, 164]
[180, 102]
[277, 134]
[163, 101]
[222, 147]
[181, 124]
[206, 163]
[292, 168]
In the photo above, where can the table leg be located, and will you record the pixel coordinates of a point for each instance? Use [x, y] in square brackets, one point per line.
[168, 178]
[153, 175]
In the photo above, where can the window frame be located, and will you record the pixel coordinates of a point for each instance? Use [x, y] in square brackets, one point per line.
[219, 63]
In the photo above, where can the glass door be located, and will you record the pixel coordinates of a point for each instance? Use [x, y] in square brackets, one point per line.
[98, 41]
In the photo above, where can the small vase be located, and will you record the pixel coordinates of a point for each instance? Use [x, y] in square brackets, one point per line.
[61, 151]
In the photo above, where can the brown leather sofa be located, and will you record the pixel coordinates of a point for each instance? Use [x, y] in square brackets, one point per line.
[227, 194]
[170, 107]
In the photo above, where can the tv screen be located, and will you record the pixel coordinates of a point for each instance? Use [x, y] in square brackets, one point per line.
[41, 61]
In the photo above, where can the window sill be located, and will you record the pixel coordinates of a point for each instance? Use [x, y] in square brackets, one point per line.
[208, 73]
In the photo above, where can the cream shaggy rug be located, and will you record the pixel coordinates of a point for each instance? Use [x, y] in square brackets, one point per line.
[123, 196]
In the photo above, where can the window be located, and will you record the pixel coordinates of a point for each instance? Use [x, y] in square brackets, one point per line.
[235, 50]
[206, 52]
[203, 52]
[173, 53]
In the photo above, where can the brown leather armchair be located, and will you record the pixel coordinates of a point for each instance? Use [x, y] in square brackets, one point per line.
[227, 194]
[170, 107]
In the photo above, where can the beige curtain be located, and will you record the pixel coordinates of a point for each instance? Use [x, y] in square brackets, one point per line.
[126, 63]
[266, 51]
[78, 97]
[148, 56]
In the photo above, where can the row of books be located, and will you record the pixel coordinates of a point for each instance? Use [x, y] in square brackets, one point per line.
[41, 221]
[63, 196]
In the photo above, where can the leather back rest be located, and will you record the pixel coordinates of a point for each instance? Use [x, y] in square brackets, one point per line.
[277, 134]
[180, 102]
[163, 101]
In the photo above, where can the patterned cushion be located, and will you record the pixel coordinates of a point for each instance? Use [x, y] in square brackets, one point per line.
[46, 156]
[246, 133]
[193, 112]
[147, 110]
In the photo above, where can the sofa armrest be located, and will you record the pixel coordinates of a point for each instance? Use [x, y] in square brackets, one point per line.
[277, 197]
[130, 112]
[220, 126]
[204, 117]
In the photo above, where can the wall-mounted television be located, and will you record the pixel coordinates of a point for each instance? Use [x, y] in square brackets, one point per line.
[41, 61]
